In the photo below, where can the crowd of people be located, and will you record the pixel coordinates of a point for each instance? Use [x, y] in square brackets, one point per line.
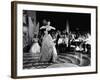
[50, 42]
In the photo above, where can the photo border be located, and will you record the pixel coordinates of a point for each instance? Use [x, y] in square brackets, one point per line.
[14, 37]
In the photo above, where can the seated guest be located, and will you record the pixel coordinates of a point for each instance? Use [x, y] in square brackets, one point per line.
[66, 40]
[88, 43]
[61, 44]
[60, 41]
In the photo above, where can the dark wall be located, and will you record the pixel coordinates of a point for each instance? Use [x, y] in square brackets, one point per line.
[77, 21]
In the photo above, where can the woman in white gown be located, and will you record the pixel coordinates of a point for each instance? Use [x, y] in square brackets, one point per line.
[35, 48]
[48, 50]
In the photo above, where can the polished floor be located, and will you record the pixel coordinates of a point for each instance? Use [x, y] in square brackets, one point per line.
[76, 59]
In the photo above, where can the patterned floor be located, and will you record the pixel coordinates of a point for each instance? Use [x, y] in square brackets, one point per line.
[64, 60]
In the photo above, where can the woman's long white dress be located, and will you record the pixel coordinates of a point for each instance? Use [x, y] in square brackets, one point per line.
[48, 50]
[35, 48]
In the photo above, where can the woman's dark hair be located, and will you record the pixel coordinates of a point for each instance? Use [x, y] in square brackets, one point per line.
[45, 22]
